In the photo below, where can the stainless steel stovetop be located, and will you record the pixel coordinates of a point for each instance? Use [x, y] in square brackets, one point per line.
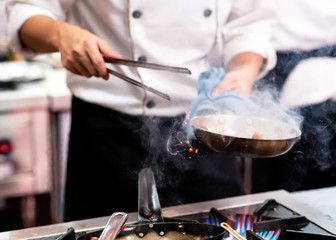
[52, 232]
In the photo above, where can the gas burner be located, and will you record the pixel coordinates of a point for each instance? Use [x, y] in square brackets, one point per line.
[269, 220]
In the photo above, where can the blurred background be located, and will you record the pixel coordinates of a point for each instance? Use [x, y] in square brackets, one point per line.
[34, 116]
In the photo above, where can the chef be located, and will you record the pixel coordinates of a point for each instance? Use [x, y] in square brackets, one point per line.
[117, 128]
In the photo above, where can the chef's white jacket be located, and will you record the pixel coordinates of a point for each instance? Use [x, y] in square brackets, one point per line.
[303, 24]
[183, 33]
[306, 25]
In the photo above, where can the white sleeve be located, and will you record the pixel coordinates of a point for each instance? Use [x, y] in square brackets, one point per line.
[18, 11]
[249, 29]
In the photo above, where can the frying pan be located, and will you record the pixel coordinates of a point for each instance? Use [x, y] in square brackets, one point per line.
[244, 136]
[151, 225]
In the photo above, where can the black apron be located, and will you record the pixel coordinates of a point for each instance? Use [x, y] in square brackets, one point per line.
[107, 149]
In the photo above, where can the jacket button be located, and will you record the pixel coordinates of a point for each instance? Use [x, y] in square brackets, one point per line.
[136, 14]
[142, 59]
[150, 104]
[207, 12]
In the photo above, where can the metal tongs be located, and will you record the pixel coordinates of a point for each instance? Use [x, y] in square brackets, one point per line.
[143, 65]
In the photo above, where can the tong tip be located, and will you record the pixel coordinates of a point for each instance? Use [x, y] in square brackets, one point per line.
[167, 97]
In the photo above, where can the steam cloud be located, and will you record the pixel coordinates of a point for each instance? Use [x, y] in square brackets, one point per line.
[312, 161]
[269, 107]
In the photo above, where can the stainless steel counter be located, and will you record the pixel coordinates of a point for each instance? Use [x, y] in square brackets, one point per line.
[322, 219]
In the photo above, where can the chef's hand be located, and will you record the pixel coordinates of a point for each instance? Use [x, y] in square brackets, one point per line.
[242, 72]
[81, 51]
[238, 81]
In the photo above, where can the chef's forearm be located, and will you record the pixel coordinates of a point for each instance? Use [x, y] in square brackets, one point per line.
[40, 33]
[248, 61]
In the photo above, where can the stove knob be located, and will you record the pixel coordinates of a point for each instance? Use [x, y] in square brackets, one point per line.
[5, 147]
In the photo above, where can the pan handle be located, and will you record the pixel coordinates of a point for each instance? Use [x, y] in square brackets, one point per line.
[113, 226]
[232, 231]
[149, 208]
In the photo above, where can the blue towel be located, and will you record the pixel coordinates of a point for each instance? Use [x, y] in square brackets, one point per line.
[228, 103]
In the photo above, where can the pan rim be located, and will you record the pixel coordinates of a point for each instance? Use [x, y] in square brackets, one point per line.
[296, 132]
[129, 229]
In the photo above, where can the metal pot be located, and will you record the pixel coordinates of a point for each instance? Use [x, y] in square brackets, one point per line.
[245, 136]
[151, 225]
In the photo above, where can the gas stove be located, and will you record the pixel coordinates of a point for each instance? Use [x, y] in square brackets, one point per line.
[271, 215]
